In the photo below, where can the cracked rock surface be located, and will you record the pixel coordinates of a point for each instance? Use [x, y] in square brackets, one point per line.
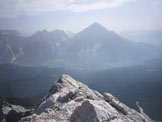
[72, 101]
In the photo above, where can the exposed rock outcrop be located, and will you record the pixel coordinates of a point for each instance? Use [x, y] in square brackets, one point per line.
[13, 113]
[72, 101]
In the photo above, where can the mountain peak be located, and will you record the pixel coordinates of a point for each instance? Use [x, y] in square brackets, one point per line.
[72, 101]
[96, 32]
[96, 26]
[10, 32]
[45, 33]
[93, 29]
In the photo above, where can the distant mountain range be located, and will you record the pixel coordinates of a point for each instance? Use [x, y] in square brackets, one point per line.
[150, 37]
[10, 32]
[90, 48]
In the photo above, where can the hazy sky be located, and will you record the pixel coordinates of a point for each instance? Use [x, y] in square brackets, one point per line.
[74, 15]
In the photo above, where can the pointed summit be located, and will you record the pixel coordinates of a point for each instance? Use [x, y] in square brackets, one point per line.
[96, 26]
[72, 101]
[95, 30]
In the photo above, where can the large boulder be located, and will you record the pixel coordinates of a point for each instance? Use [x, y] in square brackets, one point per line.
[13, 113]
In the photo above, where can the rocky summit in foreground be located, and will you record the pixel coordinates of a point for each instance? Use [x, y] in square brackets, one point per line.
[72, 101]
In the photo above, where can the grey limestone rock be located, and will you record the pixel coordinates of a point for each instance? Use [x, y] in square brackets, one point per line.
[13, 113]
[72, 101]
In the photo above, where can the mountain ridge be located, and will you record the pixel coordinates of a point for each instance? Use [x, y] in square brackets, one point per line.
[72, 101]
[93, 46]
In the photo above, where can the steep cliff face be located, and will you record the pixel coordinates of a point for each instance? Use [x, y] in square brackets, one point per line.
[71, 101]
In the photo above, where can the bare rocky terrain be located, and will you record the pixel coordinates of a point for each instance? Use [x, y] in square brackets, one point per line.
[72, 101]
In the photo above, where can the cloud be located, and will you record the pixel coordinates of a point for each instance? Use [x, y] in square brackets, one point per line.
[155, 3]
[14, 8]
[102, 4]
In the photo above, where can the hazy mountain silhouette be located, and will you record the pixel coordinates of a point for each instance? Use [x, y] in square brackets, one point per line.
[95, 46]
[90, 48]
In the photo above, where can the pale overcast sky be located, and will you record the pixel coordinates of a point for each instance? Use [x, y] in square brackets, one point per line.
[75, 15]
